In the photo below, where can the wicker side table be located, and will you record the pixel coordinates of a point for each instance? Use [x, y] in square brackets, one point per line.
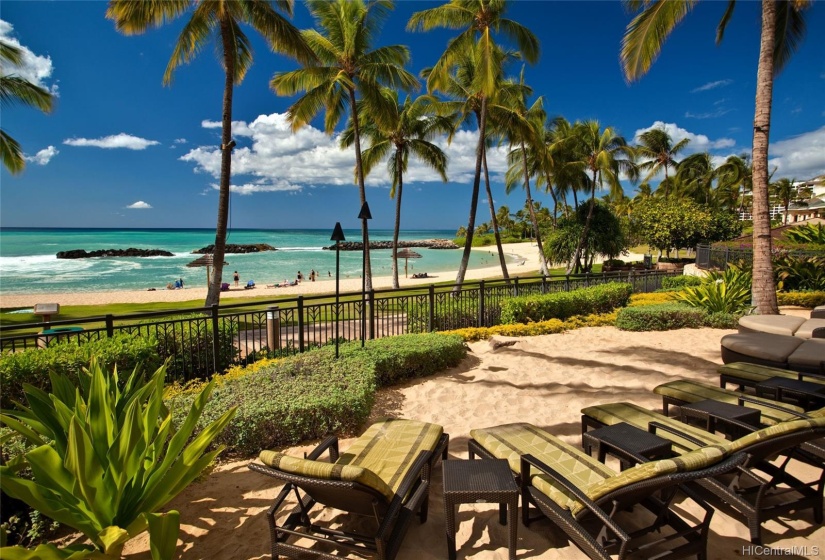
[803, 393]
[485, 481]
[717, 415]
[622, 437]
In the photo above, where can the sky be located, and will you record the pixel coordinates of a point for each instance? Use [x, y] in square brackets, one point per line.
[122, 150]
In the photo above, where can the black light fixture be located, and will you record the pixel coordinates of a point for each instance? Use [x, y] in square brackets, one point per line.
[337, 236]
[364, 215]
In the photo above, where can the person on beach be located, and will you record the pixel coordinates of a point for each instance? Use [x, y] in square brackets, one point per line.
[237, 278]
[300, 276]
[312, 275]
[181, 282]
[329, 273]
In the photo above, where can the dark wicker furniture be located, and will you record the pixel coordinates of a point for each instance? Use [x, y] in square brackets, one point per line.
[625, 442]
[489, 481]
[723, 416]
[803, 393]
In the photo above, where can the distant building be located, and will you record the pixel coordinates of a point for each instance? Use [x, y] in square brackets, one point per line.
[813, 207]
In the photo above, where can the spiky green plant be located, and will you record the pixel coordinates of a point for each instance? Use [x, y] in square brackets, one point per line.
[721, 292]
[106, 459]
[800, 273]
[808, 233]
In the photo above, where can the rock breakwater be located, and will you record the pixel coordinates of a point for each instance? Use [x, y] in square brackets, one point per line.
[232, 248]
[130, 252]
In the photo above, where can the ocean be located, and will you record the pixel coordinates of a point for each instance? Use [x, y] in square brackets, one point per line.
[28, 262]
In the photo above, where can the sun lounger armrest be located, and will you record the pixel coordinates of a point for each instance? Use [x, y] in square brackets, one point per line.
[331, 443]
[774, 406]
[413, 476]
[528, 461]
[653, 426]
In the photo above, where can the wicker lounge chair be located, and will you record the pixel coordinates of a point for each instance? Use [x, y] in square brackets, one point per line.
[384, 475]
[746, 374]
[587, 500]
[757, 491]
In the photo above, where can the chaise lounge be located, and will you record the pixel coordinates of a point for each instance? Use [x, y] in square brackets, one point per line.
[587, 500]
[775, 350]
[788, 325]
[759, 490]
[384, 475]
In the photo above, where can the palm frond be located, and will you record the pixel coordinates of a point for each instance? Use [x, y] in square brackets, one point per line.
[10, 54]
[11, 153]
[303, 79]
[192, 39]
[790, 32]
[240, 50]
[306, 107]
[282, 36]
[450, 16]
[134, 18]
[14, 89]
[645, 35]
[373, 155]
[723, 23]
[526, 42]
[430, 155]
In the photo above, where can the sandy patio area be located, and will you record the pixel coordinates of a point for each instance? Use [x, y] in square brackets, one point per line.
[545, 380]
[526, 252]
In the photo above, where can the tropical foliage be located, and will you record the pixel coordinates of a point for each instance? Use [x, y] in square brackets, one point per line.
[106, 458]
[720, 292]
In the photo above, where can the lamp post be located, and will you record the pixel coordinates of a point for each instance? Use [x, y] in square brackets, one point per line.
[364, 215]
[337, 236]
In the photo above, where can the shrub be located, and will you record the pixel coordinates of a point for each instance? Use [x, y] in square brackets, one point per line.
[799, 273]
[725, 292]
[595, 299]
[661, 317]
[807, 233]
[679, 282]
[69, 358]
[309, 395]
[802, 299]
[723, 320]
[651, 298]
[550, 326]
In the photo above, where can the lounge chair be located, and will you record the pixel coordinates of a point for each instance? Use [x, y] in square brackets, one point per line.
[788, 325]
[587, 500]
[776, 350]
[746, 374]
[759, 490]
[384, 475]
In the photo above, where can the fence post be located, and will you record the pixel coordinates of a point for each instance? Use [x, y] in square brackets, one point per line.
[216, 333]
[481, 321]
[587, 279]
[566, 282]
[543, 283]
[515, 287]
[273, 328]
[300, 323]
[431, 318]
[110, 326]
[371, 300]
[645, 288]
[632, 279]
[727, 254]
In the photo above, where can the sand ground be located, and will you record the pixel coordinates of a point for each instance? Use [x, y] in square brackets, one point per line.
[527, 264]
[545, 380]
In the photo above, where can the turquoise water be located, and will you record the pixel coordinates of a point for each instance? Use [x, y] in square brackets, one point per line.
[28, 262]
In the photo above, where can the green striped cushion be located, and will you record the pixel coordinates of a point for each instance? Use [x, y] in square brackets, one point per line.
[325, 471]
[757, 373]
[390, 447]
[694, 391]
[820, 413]
[511, 441]
[635, 415]
[778, 429]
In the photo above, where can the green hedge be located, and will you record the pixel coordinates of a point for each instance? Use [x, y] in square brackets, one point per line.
[669, 316]
[562, 305]
[33, 366]
[802, 299]
[679, 282]
[312, 394]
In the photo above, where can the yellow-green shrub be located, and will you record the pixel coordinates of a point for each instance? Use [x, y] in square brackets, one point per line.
[650, 299]
[551, 326]
[802, 299]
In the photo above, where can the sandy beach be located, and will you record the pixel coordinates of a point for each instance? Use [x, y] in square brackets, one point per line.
[545, 380]
[527, 253]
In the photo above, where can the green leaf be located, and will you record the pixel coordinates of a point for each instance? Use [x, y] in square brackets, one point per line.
[113, 538]
[51, 552]
[163, 534]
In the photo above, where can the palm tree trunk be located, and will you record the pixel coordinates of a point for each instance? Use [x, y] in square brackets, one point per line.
[764, 289]
[552, 192]
[471, 222]
[400, 173]
[585, 230]
[359, 173]
[533, 219]
[493, 218]
[213, 293]
[575, 199]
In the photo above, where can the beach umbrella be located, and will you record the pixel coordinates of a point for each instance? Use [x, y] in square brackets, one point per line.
[407, 254]
[205, 260]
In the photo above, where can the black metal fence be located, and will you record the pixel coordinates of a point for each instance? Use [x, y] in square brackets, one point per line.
[710, 257]
[203, 340]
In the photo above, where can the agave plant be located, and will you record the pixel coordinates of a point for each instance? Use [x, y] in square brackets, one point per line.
[721, 292]
[106, 458]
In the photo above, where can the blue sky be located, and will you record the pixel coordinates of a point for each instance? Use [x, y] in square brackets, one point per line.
[122, 150]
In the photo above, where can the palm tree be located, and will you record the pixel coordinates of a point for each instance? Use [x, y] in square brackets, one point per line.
[736, 180]
[222, 21]
[347, 68]
[478, 19]
[14, 89]
[784, 191]
[656, 150]
[413, 126]
[604, 154]
[696, 173]
[783, 27]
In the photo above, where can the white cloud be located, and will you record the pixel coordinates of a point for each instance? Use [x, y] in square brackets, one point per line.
[44, 156]
[698, 142]
[139, 205]
[121, 140]
[180, 140]
[34, 68]
[801, 156]
[280, 160]
[712, 85]
[711, 115]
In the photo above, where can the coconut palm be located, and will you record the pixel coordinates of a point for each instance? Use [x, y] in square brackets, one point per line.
[603, 154]
[656, 151]
[219, 21]
[411, 129]
[478, 20]
[348, 68]
[784, 192]
[783, 27]
[563, 177]
[736, 180]
[696, 174]
[14, 89]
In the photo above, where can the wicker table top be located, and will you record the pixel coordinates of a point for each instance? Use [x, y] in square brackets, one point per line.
[805, 391]
[625, 441]
[478, 476]
[722, 411]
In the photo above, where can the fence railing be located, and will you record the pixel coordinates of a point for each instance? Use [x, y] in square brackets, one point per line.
[710, 257]
[202, 340]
